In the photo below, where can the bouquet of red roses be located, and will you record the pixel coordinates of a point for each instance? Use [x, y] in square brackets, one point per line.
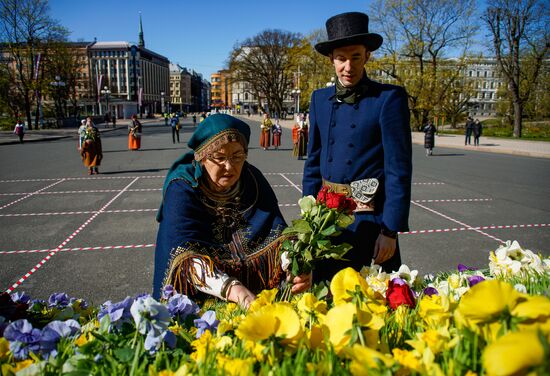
[310, 236]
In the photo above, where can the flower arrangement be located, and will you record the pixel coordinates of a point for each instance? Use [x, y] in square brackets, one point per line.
[322, 218]
[466, 322]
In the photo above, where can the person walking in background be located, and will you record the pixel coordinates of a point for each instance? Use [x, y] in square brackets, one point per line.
[477, 128]
[134, 134]
[175, 124]
[299, 137]
[81, 133]
[469, 128]
[360, 145]
[194, 119]
[91, 151]
[19, 130]
[277, 132]
[265, 131]
[429, 137]
[114, 120]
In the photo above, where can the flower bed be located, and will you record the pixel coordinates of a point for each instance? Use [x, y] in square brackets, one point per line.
[493, 322]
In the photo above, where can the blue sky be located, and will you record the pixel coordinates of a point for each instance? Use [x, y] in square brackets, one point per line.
[196, 34]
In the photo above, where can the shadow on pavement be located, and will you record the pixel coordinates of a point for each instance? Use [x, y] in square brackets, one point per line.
[447, 155]
[132, 171]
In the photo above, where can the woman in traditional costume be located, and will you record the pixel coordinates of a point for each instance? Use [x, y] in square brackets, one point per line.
[134, 134]
[299, 137]
[220, 223]
[277, 131]
[91, 150]
[265, 131]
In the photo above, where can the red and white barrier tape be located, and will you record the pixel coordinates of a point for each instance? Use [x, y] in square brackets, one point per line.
[457, 221]
[97, 248]
[97, 177]
[77, 212]
[456, 200]
[494, 227]
[31, 194]
[71, 237]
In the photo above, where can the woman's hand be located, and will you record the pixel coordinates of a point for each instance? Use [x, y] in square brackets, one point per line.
[300, 283]
[240, 295]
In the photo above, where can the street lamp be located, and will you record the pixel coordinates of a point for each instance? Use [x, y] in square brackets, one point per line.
[296, 95]
[57, 84]
[162, 109]
[106, 92]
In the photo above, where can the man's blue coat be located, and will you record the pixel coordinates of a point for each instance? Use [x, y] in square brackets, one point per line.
[370, 139]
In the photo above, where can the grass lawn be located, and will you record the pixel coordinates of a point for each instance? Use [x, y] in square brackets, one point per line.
[536, 130]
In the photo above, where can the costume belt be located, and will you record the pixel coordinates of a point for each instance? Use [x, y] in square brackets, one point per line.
[361, 191]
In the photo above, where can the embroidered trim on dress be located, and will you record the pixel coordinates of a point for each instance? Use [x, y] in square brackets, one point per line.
[214, 143]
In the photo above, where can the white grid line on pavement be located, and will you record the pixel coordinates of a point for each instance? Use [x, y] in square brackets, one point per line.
[100, 177]
[291, 182]
[456, 200]
[71, 237]
[95, 248]
[492, 227]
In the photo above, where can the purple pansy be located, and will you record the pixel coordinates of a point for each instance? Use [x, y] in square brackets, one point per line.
[23, 339]
[58, 299]
[463, 268]
[52, 334]
[474, 280]
[167, 292]
[206, 322]
[20, 297]
[119, 312]
[430, 291]
[180, 306]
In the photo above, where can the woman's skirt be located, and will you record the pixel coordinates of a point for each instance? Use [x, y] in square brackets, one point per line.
[300, 147]
[276, 139]
[264, 139]
[134, 143]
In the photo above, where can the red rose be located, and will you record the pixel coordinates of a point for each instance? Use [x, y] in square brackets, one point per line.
[335, 201]
[322, 195]
[399, 293]
[349, 206]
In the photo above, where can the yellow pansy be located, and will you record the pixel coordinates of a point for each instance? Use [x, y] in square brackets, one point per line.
[202, 346]
[407, 359]
[364, 358]
[339, 321]
[224, 342]
[435, 340]
[534, 313]
[4, 348]
[278, 320]
[316, 336]
[487, 300]
[235, 366]
[183, 370]
[166, 372]
[513, 353]
[309, 303]
[346, 280]
[435, 310]
[266, 297]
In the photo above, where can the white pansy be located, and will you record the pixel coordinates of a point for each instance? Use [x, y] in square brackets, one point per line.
[520, 288]
[406, 274]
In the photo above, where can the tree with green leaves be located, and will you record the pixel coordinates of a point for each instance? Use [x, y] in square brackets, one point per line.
[25, 30]
[264, 62]
[418, 36]
[521, 42]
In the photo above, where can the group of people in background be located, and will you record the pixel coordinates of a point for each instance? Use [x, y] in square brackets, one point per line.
[271, 132]
[473, 127]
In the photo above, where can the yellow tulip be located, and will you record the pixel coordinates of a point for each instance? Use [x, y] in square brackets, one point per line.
[364, 358]
[513, 353]
[487, 300]
[346, 280]
[278, 320]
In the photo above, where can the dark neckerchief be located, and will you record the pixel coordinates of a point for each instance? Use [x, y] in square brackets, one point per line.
[352, 95]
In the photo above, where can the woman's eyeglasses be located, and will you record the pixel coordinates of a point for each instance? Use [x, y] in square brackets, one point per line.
[222, 159]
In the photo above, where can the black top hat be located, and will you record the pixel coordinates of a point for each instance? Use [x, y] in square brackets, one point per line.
[346, 29]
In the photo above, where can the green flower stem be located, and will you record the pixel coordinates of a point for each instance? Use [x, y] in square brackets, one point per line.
[136, 358]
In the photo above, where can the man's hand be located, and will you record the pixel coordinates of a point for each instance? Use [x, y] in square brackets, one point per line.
[384, 248]
[300, 283]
